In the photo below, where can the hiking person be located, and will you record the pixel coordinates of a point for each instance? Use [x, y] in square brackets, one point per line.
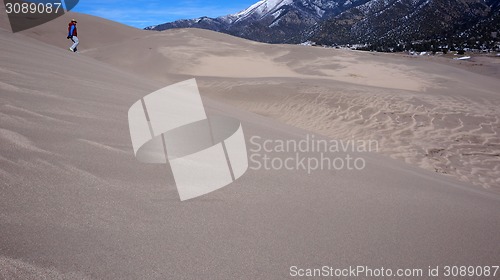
[72, 34]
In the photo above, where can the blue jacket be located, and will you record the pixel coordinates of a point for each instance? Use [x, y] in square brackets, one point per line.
[72, 29]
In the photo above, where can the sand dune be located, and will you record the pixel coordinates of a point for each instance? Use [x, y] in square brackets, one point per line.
[208, 54]
[93, 32]
[413, 107]
[445, 134]
[76, 204]
[423, 114]
[16, 269]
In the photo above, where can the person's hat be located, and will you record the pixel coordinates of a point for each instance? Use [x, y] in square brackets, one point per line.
[74, 20]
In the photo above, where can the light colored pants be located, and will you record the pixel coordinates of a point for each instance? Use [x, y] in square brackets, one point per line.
[75, 42]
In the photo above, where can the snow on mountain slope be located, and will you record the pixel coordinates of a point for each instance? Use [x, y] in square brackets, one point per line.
[261, 9]
[333, 22]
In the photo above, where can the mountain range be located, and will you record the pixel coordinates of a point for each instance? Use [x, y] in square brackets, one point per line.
[381, 24]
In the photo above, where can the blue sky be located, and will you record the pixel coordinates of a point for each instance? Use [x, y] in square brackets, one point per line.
[142, 13]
